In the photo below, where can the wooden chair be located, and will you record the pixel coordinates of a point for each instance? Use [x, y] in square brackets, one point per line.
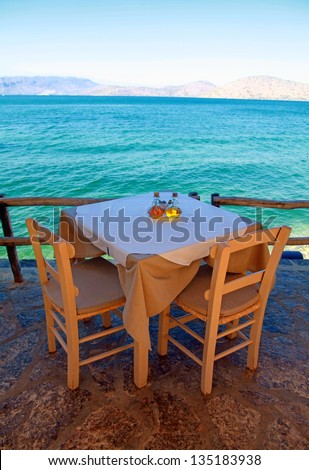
[236, 301]
[74, 292]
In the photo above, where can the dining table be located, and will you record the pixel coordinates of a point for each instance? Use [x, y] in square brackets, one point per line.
[156, 258]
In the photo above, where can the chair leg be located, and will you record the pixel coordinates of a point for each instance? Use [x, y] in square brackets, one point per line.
[163, 332]
[208, 357]
[73, 355]
[51, 340]
[107, 322]
[255, 336]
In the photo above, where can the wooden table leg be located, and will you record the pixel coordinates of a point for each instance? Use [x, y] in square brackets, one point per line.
[140, 364]
[164, 323]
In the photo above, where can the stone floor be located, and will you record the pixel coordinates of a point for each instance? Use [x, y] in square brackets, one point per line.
[267, 409]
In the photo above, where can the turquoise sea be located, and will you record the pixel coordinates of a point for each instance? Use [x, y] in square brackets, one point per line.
[114, 146]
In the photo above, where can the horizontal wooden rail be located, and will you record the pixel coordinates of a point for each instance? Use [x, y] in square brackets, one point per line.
[14, 241]
[294, 241]
[218, 200]
[49, 201]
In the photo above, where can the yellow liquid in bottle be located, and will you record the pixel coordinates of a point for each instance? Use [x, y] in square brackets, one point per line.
[173, 212]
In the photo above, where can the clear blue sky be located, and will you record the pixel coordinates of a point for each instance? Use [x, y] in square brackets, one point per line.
[155, 42]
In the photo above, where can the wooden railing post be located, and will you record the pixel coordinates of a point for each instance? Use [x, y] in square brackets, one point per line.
[11, 250]
[194, 195]
[212, 200]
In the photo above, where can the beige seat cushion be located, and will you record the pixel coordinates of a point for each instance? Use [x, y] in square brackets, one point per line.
[193, 295]
[98, 284]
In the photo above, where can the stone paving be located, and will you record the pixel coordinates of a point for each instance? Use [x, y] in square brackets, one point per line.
[267, 409]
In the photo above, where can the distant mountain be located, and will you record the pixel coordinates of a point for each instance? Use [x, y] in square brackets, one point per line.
[45, 85]
[256, 87]
[262, 88]
[193, 90]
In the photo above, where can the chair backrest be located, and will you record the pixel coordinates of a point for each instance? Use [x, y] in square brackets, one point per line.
[63, 252]
[221, 252]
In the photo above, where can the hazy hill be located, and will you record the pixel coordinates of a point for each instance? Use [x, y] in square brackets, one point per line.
[258, 87]
[45, 85]
[193, 90]
[261, 87]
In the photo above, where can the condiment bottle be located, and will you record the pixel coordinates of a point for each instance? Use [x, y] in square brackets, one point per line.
[155, 210]
[173, 210]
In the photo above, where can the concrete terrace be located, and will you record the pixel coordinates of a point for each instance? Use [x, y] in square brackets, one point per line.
[267, 409]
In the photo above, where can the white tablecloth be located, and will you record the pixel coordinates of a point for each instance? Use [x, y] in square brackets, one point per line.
[122, 226]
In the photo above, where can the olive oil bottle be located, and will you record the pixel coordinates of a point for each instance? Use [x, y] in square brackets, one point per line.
[173, 210]
[155, 210]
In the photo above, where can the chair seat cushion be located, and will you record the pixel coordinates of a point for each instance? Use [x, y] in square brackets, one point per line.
[193, 297]
[98, 285]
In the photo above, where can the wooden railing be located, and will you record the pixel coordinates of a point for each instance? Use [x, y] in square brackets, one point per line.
[217, 200]
[11, 242]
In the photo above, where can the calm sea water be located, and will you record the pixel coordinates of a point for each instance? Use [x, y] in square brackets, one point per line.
[114, 146]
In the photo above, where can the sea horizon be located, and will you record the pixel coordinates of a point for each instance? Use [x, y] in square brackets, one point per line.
[142, 98]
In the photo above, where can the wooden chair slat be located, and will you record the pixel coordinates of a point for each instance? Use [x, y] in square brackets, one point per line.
[52, 271]
[244, 281]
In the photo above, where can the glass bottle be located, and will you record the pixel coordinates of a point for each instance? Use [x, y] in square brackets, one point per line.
[155, 210]
[173, 210]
